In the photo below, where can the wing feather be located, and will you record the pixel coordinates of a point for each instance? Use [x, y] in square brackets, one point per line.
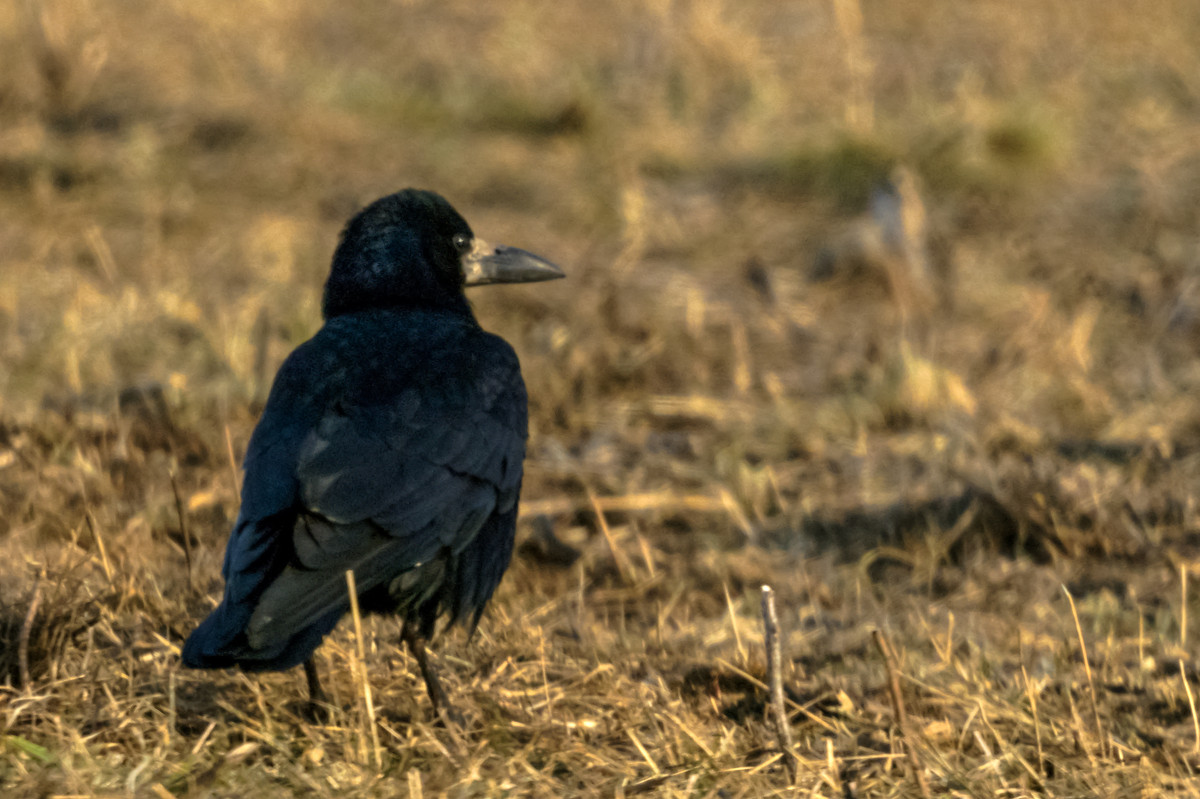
[391, 467]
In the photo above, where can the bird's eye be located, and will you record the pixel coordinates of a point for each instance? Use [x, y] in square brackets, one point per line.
[462, 242]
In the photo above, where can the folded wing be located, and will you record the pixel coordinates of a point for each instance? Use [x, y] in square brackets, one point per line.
[406, 473]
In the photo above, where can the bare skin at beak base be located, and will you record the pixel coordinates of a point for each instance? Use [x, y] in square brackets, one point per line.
[486, 264]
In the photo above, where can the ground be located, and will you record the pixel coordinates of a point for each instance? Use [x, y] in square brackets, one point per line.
[894, 307]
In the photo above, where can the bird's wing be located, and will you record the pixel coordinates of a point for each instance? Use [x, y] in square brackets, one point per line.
[387, 485]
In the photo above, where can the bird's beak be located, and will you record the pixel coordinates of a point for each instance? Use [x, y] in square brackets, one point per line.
[486, 264]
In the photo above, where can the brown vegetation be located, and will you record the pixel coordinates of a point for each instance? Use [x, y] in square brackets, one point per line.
[957, 412]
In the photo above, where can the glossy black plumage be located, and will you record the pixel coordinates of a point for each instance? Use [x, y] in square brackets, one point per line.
[391, 444]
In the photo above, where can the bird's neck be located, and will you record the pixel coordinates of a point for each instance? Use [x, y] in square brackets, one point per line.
[334, 306]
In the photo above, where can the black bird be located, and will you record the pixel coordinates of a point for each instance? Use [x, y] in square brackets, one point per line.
[392, 444]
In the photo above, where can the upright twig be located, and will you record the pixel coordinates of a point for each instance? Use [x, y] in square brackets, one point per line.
[1192, 706]
[1101, 739]
[910, 748]
[26, 628]
[783, 730]
[183, 529]
[362, 667]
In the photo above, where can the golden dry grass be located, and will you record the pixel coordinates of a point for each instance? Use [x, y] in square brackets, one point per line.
[977, 435]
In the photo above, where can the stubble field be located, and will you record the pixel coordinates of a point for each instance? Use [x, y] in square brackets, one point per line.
[894, 307]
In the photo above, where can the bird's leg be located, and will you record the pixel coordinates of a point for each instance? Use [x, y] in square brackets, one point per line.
[437, 696]
[317, 701]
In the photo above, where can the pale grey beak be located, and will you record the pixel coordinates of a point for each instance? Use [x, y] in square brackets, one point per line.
[485, 264]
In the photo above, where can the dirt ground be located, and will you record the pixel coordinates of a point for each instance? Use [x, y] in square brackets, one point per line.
[894, 307]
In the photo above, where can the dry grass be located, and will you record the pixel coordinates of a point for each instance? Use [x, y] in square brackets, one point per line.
[977, 434]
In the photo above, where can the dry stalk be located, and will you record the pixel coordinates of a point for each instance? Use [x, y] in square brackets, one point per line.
[26, 628]
[733, 621]
[626, 503]
[623, 566]
[1183, 605]
[172, 710]
[183, 529]
[1033, 708]
[1192, 706]
[233, 467]
[910, 748]
[738, 517]
[203, 739]
[833, 775]
[104, 564]
[1141, 642]
[645, 753]
[647, 555]
[783, 730]
[1077, 731]
[762, 686]
[361, 669]
[1087, 670]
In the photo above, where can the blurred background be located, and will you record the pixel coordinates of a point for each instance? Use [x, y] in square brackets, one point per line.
[913, 288]
[173, 180]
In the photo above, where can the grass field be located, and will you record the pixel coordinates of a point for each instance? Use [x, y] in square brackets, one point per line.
[894, 307]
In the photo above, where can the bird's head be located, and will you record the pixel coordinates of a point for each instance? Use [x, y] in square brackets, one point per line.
[411, 249]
